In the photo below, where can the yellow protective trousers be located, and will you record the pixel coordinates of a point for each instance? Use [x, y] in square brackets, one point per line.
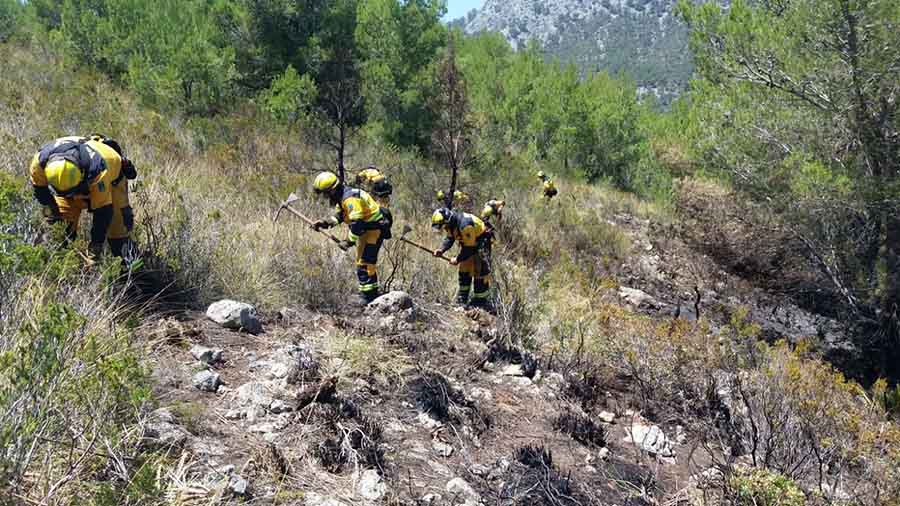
[368, 246]
[476, 269]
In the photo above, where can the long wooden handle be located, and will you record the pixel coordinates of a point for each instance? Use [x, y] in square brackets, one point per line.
[423, 248]
[311, 223]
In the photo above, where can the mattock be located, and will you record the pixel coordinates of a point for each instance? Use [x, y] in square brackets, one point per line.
[287, 205]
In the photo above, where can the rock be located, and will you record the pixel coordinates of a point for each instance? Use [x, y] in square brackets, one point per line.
[262, 428]
[314, 499]
[279, 370]
[651, 439]
[390, 303]
[206, 355]
[638, 298]
[279, 406]
[479, 470]
[606, 417]
[481, 394]
[523, 381]
[207, 381]
[162, 430]
[209, 356]
[234, 414]
[290, 362]
[554, 380]
[431, 499]
[253, 413]
[234, 315]
[512, 370]
[254, 393]
[238, 486]
[442, 448]
[459, 489]
[680, 436]
[428, 422]
[371, 486]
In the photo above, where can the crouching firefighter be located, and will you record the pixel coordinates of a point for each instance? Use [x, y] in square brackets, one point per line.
[377, 184]
[74, 174]
[474, 241]
[368, 228]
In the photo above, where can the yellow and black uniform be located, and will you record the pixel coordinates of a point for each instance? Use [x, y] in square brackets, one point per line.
[119, 233]
[460, 198]
[549, 189]
[363, 216]
[73, 174]
[377, 184]
[474, 242]
[492, 208]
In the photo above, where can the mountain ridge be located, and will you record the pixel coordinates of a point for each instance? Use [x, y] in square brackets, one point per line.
[640, 38]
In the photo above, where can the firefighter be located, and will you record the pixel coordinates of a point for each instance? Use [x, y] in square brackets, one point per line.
[549, 188]
[492, 208]
[73, 174]
[377, 184]
[367, 225]
[459, 197]
[474, 242]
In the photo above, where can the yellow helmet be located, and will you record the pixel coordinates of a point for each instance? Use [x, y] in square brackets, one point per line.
[541, 175]
[440, 217]
[63, 175]
[325, 182]
[440, 194]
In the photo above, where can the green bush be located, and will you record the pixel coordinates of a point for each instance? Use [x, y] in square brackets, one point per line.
[10, 17]
[761, 487]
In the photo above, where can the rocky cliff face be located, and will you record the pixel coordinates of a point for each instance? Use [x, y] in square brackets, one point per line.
[641, 38]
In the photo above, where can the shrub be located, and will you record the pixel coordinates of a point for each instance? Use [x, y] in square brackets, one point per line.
[761, 487]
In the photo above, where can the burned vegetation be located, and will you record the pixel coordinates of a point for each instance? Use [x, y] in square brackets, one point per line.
[581, 428]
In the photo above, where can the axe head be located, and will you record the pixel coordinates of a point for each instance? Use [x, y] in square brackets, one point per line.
[406, 229]
[290, 200]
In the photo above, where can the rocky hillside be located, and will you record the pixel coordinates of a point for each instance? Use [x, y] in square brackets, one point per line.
[639, 37]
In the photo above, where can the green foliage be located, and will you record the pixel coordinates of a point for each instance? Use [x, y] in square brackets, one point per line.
[53, 375]
[399, 42]
[290, 97]
[797, 109]
[591, 127]
[11, 13]
[761, 487]
[171, 52]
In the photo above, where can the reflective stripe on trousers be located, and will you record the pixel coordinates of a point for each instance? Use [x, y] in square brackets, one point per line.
[368, 246]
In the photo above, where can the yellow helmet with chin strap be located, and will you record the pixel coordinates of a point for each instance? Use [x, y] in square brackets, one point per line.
[63, 175]
[325, 182]
[440, 218]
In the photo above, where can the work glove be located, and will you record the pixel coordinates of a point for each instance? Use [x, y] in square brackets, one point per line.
[454, 261]
[320, 224]
[438, 253]
[128, 169]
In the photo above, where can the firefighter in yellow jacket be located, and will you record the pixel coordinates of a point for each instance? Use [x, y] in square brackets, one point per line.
[74, 174]
[549, 189]
[377, 184]
[474, 242]
[367, 225]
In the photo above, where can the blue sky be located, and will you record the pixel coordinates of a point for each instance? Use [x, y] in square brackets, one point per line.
[459, 8]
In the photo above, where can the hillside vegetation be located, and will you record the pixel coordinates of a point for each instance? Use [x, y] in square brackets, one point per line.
[705, 315]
